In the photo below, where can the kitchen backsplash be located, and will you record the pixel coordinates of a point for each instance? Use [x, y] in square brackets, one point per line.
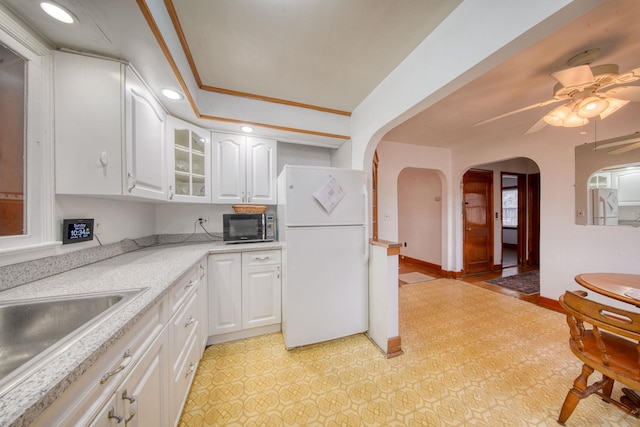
[28, 271]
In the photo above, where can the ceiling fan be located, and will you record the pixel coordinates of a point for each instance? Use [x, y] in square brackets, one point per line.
[581, 87]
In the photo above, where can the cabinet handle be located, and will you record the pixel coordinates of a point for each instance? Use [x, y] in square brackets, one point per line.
[190, 321]
[108, 375]
[262, 258]
[190, 284]
[278, 272]
[249, 197]
[132, 182]
[125, 396]
[192, 368]
[171, 193]
[242, 196]
[112, 414]
[202, 271]
[133, 406]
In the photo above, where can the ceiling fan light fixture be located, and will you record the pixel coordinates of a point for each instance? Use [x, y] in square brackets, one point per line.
[557, 116]
[591, 106]
[573, 120]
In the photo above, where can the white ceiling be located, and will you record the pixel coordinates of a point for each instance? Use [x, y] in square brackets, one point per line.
[332, 53]
[327, 53]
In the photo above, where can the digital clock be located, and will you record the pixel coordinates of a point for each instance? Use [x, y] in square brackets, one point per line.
[77, 230]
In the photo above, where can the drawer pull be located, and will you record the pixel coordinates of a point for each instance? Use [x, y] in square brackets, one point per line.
[202, 271]
[262, 258]
[112, 414]
[192, 368]
[190, 321]
[190, 284]
[108, 375]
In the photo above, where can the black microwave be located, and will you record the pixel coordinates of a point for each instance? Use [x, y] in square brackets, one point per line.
[244, 228]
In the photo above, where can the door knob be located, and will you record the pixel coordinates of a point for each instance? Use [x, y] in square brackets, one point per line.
[468, 228]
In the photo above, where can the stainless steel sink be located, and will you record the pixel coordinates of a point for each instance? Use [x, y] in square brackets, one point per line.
[33, 328]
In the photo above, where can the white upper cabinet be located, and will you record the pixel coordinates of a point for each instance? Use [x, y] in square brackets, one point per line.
[109, 130]
[243, 169]
[189, 160]
[144, 141]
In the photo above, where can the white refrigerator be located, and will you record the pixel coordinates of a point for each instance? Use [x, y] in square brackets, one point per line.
[322, 224]
[605, 206]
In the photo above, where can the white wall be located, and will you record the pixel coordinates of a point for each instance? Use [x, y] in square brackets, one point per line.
[566, 249]
[420, 214]
[117, 219]
[394, 158]
[297, 154]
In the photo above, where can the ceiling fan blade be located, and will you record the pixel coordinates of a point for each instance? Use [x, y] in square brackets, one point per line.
[628, 77]
[627, 93]
[575, 76]
[530, 107]
[621, 150]
[536, 127]
[614, 105]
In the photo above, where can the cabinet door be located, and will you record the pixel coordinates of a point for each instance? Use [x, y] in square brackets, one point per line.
[89, 129]
[261, 173]
[225, 293]
[260, 296]
[145, 173]
[189, 162]
[143, 397]
[228, 168]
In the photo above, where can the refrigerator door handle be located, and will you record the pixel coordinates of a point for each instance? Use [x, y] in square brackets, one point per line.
[365, 256]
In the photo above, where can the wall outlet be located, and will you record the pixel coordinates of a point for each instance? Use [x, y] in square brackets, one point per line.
[204, 220]
[97, 226]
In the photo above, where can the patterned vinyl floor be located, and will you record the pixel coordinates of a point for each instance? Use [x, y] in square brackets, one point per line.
[472, 358]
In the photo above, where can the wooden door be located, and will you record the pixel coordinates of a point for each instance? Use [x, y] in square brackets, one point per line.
[533, 235]
[477, 213]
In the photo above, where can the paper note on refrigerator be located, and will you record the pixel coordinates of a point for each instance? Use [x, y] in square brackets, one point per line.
[329, 195]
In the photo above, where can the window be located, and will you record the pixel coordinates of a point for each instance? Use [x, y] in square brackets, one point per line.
[510, 207]
[26, 149]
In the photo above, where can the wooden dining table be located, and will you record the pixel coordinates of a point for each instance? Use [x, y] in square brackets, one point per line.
[620, 286]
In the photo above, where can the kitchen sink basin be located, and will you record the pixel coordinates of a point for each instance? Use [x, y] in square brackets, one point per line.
[34, 328]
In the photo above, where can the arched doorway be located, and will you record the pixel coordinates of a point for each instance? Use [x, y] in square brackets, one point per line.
[511, 216]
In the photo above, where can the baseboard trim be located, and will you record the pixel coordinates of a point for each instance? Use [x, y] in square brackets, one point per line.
[551, 304]
[393, 347]
[443, 273]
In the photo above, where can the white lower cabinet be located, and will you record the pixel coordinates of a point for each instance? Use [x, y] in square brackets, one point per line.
[141, 398]
[244, 295]
[144, 377]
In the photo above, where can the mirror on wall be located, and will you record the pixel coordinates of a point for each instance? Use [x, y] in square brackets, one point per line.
[608, 182]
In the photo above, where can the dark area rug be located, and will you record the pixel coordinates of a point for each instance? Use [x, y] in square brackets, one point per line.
[527, 283]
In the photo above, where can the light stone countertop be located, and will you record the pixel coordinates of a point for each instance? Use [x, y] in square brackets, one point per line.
[155, 268]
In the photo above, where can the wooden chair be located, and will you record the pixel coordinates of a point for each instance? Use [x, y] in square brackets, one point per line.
[611, 347]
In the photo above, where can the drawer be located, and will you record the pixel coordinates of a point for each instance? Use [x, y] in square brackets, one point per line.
[183, 325]
[185, 287]
[250, 259]
[182, 379]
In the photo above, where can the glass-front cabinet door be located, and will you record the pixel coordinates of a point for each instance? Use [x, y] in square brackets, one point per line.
[189, 162]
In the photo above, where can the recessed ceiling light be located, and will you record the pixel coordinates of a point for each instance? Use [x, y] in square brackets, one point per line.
[247, 129]
[172, 94]
[57, 12]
